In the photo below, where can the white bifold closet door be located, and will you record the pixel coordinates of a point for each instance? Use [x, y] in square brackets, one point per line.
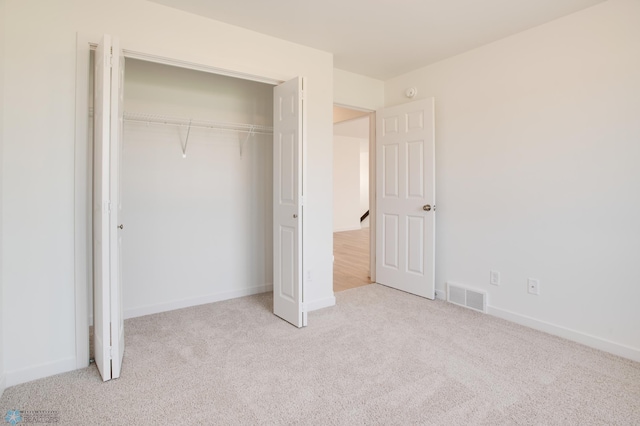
[288, 131]
[287, 196]
[108, 118]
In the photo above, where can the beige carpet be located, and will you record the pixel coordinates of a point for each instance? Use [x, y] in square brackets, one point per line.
[379, 357]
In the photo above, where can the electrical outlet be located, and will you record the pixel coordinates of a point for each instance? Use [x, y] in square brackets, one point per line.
[494, 277]
[533, 285]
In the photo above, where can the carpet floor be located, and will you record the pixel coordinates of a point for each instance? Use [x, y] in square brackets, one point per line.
[379, 356]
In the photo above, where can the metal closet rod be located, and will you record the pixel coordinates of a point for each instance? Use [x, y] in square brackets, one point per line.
[205, 124]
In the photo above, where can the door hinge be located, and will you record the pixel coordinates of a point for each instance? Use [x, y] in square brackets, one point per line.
[302, 200]
[110, 352]
[106, 207]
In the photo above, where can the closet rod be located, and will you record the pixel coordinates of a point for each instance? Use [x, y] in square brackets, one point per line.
[175, 121]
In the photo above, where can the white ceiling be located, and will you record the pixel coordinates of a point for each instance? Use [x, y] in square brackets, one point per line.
[385, 38]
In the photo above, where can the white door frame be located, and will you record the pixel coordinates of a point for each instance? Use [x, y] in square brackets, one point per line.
[83, 167]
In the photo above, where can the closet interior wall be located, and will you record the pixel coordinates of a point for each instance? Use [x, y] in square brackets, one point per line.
[196, 228]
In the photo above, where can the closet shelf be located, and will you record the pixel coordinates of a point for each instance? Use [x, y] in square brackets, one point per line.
[205, 124]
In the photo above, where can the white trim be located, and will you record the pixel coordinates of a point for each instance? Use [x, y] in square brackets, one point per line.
[373, 179]
[355, 108]
[567, 333]
[320, 304]
[3, 384]
[441, 294]
[195, 301]
[82, 212]
[198, 67]
[40, 371]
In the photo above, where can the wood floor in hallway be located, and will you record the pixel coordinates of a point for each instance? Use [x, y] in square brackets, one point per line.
[351, 266]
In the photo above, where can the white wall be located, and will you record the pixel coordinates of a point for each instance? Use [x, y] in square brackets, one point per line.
[357, 90]
[346, 183]
[2, 308]
[537, 152]
[197, 229]
[38, 194]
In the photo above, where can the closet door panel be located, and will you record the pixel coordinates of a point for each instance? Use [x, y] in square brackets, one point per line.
[108, 318]
[101, 270]
[117, 127]
[287, 202]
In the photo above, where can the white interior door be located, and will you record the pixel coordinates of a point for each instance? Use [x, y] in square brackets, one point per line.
[108, 329]
[288, 133]
[405, 197]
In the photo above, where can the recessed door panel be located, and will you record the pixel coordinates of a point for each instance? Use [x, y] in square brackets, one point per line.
[415, 120]
[415, 244]
[286, 175]
[391, 125]
[391, 242]
[415, 169]
[391, 170]
[287, 245]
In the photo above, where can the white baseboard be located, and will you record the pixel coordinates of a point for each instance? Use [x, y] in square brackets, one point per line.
[28, 374]
[441, 294]
[321, 303]
[3, 384]
[567, 333]
[186, 303]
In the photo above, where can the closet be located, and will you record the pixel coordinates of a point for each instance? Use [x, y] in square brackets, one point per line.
[196, 188]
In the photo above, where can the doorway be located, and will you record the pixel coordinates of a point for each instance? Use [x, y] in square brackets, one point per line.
[351, 200]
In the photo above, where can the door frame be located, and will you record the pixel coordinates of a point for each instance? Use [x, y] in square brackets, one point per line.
[83, 168]
[372, 185]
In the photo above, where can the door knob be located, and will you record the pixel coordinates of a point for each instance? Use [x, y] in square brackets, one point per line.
[426, 207]
[295, 216]
[121, 226]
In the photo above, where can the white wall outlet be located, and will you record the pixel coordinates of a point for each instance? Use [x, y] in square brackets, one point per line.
[494, 277]
[533, 285]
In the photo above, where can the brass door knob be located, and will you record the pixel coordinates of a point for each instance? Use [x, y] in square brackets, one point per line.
[426, 207]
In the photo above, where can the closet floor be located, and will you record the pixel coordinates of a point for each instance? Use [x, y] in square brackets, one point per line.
[351, 265]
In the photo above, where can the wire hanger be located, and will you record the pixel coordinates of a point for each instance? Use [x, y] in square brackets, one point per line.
[186, 141]
[249, 134]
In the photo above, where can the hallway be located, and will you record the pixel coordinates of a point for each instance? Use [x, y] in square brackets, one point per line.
[351, 266]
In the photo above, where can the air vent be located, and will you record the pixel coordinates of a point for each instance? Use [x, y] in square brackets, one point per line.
[466, 297]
